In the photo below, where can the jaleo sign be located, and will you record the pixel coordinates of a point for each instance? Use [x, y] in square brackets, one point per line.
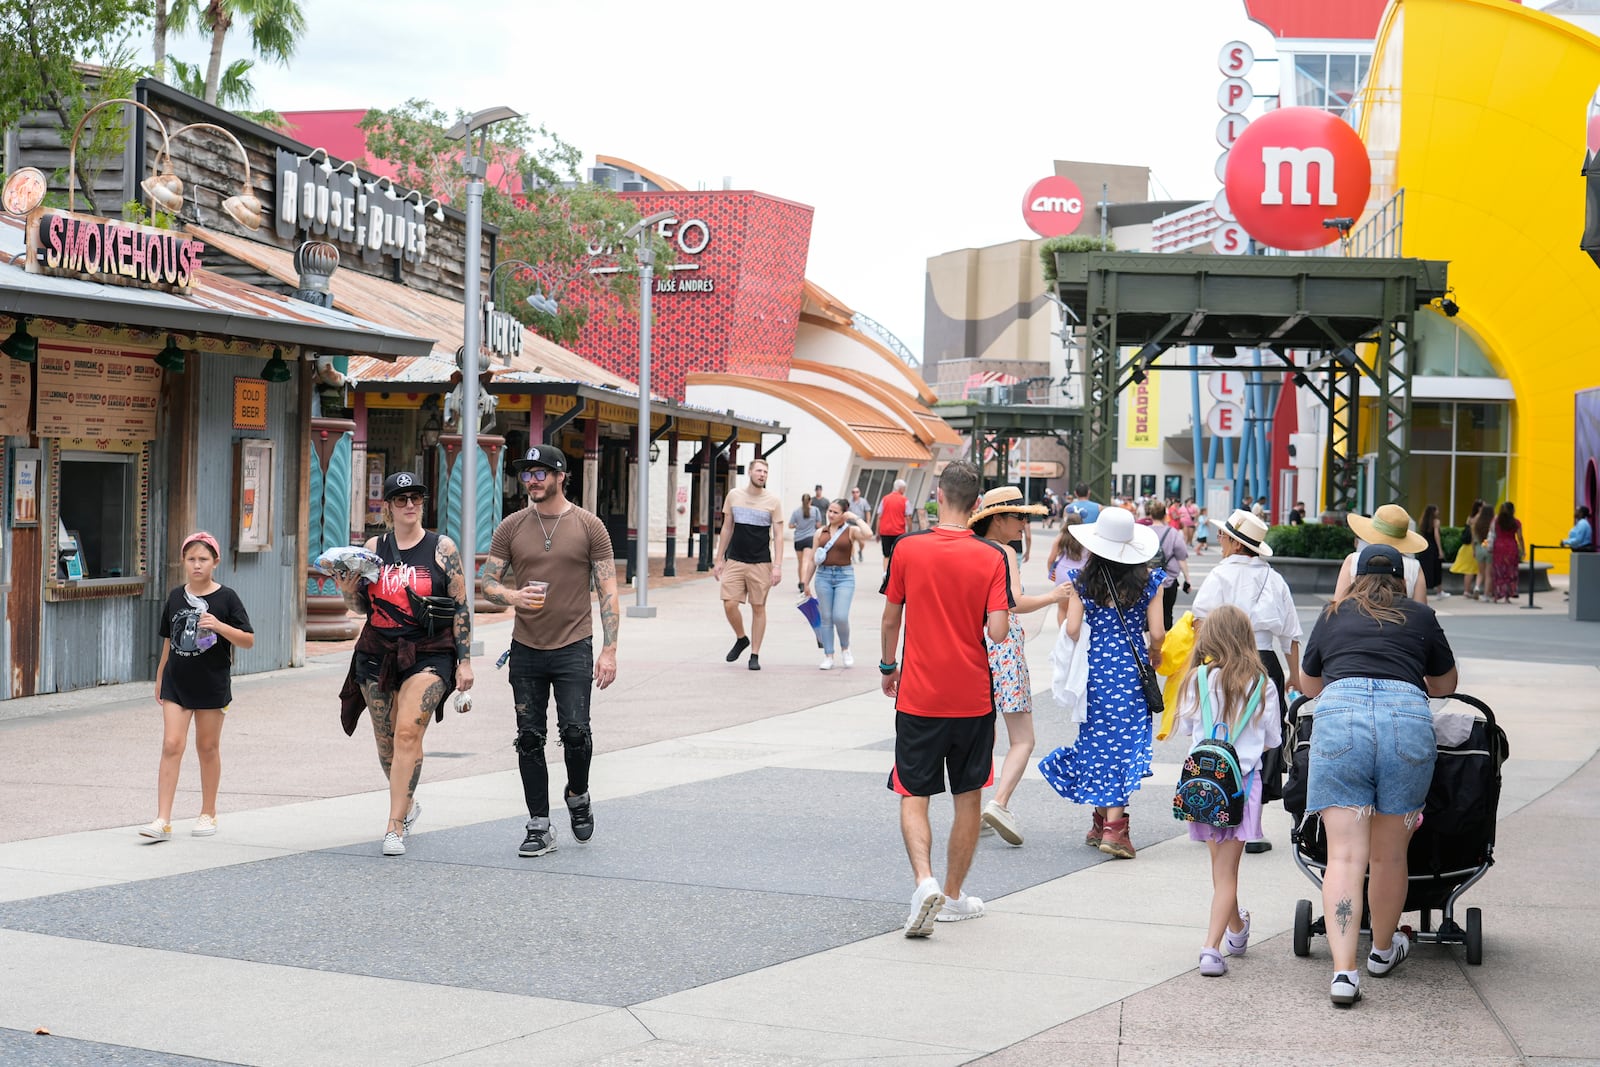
[337, 207]
[109, 250]
[1052, 207]
[1292, 172]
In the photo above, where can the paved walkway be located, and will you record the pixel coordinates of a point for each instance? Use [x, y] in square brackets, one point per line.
[742, 897]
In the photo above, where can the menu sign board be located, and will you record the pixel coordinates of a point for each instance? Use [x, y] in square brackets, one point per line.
[97, 392]
[16, 389]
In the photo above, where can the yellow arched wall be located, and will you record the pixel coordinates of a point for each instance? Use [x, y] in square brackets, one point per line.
[1477, 109]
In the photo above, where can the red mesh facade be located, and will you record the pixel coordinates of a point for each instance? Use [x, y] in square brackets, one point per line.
[734, 304]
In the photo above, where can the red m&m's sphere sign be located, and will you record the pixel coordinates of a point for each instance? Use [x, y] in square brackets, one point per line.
[1291, 171]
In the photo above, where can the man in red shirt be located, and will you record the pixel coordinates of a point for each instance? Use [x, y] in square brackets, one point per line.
[948, 587]
[893, 511]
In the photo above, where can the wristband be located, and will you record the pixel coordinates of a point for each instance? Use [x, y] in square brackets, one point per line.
[887, 668]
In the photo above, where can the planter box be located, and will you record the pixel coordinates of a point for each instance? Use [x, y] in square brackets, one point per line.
[1308, 575]
[1454, 583]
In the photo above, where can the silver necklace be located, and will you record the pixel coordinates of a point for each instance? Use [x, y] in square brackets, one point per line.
[549, 534]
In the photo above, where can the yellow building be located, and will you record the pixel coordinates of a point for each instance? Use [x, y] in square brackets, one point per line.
[1476, 110]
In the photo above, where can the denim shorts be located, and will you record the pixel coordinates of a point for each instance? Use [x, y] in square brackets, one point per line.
[1372, 748]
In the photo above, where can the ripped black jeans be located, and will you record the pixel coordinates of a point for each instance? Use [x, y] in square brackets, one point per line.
[534, 673]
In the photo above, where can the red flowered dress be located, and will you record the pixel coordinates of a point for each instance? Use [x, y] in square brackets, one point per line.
[1008, 668]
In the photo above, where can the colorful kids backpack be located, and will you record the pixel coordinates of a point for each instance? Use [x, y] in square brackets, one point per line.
[1211, 790]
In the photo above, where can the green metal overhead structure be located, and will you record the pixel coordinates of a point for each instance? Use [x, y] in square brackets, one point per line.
[1355, 314]
[993, 426]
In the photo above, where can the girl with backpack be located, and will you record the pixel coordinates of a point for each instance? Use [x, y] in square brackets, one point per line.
[1226, 689]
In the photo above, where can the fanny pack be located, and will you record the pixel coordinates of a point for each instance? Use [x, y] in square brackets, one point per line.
[433, 614]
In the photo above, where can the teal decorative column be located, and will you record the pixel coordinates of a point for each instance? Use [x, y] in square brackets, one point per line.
[486, 472]
[329, 527]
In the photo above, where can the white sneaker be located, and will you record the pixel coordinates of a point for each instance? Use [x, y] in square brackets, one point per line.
[412, 816]
[156, 830]
[394, 844]
[968, 907]
[826, 664]
[849, 660]
[1399, 949]
[925, 905]
[1004, 823]
[204, 826]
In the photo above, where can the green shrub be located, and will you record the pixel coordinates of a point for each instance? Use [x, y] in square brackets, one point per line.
[1070, 243]
[1312, 541]
[1450, 538]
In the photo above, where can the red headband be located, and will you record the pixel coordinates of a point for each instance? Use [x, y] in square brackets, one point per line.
[205, 539]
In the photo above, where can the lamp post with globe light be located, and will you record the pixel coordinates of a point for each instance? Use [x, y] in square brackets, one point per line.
[641, 608]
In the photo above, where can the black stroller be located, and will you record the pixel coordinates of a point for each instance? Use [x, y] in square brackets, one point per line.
[1451, 850]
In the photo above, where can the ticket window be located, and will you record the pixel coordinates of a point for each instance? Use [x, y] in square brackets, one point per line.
[99, 516]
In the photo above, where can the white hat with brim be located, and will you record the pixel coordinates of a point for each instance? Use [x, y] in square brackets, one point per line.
[1116, 537]
[1247, 529]
[1389, 525]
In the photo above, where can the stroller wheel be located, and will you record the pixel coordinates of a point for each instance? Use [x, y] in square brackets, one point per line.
[1302, 928]
[1474, 936]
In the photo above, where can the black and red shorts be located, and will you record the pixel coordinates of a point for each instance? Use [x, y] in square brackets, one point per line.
[927, 747]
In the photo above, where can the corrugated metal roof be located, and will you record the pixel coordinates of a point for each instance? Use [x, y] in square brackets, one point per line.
[390, 303]
[215, 304]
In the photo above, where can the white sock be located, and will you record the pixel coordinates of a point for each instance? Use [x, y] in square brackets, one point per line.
[1354, 976]
[1385, 956]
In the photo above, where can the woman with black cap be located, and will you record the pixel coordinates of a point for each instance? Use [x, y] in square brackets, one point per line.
[1374, 658]
[414, 649]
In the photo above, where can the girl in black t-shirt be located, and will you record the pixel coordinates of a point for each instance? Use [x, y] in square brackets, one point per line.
[202, 622]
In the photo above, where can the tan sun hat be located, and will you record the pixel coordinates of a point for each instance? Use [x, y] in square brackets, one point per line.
[1005, 498]
[1247, 529]
[1389, 525]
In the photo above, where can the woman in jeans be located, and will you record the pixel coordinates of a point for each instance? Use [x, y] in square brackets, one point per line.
[1375, 657]
[835, 578]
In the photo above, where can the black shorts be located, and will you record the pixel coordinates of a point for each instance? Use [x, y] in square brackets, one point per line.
[802, 543]
[925, 747]
[888, 540]
[442, 664]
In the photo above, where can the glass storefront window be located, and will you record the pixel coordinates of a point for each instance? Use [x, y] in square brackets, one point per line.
[1431, 427]
[1310, 80]
[100, 515]
[1483, 427]
[1427, 481]
[1478, 478]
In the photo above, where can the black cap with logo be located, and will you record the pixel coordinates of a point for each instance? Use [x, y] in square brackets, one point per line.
[547, 456]
[402, 482]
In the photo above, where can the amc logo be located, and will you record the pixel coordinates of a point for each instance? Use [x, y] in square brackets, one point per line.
[1291, 170]
[1052, 207]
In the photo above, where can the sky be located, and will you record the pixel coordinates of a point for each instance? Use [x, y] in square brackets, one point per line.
[911, 129]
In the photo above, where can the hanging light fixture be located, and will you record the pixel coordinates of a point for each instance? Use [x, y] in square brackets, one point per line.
[166, 190]
[277, 369]
[171, 358]
[21, 345]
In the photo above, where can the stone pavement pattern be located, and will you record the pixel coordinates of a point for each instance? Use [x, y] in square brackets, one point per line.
[741, 900]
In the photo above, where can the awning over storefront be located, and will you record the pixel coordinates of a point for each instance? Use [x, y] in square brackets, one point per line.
[214, 305]
[870, 433]
[924, 425]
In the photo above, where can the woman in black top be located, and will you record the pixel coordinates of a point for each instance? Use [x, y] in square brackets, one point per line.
[1432, 557]
[201, 624]
[410, 654]
[1374, 658]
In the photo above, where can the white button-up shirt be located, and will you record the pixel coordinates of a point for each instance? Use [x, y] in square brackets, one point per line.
[1250, 584]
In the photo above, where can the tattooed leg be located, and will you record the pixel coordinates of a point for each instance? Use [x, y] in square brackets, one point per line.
[419, 696]
[1342, 914]
[1344, 882]
[380, 709]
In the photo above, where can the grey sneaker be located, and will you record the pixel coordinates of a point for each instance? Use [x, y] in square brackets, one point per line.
[582, 816]
[541, 838]
[1399, 949]
[394, 844]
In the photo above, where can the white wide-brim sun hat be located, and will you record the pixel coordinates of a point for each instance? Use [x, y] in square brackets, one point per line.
[1116, 537]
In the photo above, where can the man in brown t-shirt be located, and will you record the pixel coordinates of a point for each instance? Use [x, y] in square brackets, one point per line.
[542, 562]
[749, 558]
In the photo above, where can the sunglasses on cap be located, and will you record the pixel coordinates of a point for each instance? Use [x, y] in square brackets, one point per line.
[535, 474]
[402, 499]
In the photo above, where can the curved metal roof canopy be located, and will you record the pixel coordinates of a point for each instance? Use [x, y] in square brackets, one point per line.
[1357, 312]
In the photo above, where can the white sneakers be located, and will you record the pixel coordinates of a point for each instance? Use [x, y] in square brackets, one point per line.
[826, 664]
[204, 826]
[156, 830]
[845, 659]
[394, 844]
[968, 907]
[1399, 949]
[1004, 823]
[925, 905]
[849, 660]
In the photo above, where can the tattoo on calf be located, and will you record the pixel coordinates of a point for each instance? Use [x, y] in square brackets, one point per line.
[1343, 912]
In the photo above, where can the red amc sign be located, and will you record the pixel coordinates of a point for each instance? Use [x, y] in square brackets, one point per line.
[1052, 207]
[1293, 169]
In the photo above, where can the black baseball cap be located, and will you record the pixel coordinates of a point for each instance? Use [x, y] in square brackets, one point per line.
[1380, 559]
[402, 482]
[547, 456]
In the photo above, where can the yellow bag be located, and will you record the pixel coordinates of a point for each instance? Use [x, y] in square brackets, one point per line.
[1175, 653]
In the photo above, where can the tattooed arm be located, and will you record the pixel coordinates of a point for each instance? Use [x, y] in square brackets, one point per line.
[605, 583]
[355, 597]
[449, 559]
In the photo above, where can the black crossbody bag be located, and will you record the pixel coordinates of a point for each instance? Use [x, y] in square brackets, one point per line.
[1149, 681]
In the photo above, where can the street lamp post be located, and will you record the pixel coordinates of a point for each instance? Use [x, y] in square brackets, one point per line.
[477, 168]
[641, 608]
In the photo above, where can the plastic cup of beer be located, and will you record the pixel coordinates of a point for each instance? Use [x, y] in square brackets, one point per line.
[537, 591]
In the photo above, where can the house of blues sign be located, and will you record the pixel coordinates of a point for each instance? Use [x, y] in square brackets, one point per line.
[340, 208]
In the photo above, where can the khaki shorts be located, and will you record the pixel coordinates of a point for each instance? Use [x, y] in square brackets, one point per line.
[746, 582]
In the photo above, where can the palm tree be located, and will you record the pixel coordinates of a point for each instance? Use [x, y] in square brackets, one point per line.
[276, 27]
[172, 16]
[235, 92]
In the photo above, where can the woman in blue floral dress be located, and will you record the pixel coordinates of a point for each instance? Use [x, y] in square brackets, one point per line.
[1115, 594]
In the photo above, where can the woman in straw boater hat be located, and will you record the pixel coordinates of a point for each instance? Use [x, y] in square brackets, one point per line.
[1001, 517]
[1115, 594]
[1245, 580]
[1389, 525]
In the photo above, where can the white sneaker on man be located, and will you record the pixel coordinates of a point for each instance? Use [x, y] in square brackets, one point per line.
[968, 907]
[925, 905]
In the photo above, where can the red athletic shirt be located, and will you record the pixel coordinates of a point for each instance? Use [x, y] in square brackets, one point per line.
[948, 581]
[892, 515]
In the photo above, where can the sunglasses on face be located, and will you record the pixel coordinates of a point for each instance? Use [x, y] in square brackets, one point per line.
[405, 499]
[535, 474]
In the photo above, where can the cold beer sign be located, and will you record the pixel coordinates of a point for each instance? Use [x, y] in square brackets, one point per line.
[1292, 171]
[1053, 207]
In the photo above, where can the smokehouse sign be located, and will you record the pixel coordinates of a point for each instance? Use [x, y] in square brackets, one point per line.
[108, 250]
[315, 199]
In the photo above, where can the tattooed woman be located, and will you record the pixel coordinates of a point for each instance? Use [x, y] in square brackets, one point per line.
[414, 649]
[543, 561]
[1374, 659]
